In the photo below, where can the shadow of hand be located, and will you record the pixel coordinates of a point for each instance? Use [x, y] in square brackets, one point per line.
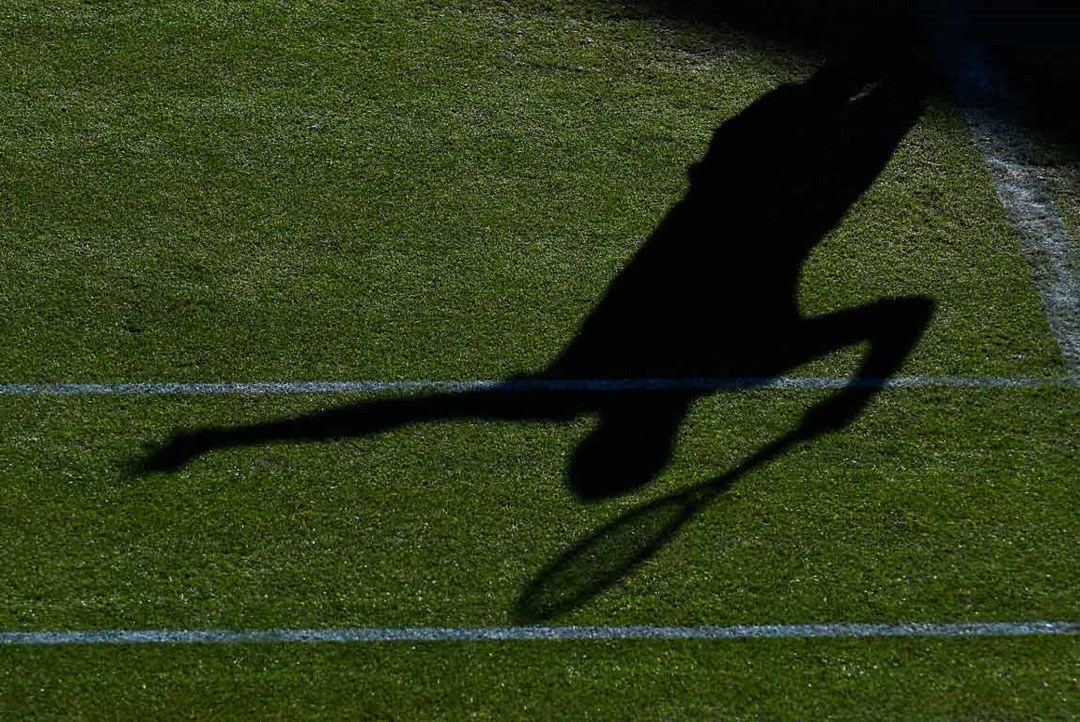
[178, 451]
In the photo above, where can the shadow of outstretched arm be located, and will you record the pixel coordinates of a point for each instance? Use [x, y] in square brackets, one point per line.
[510, 402]
[892, 326]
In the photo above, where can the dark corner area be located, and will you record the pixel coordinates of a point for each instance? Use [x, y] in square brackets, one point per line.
[1035, 46]
[1032, 45]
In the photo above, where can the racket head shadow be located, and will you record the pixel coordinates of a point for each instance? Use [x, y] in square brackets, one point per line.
[599, 561]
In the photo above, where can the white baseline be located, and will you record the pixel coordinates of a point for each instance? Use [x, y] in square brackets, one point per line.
[565, 633]
[797, 383]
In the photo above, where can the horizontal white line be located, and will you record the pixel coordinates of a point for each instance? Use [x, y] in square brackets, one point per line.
[649, 384]
[506, 634]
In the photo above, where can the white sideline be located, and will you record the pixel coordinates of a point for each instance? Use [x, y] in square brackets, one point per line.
[512, 634]
[989, 109]
[798, 383]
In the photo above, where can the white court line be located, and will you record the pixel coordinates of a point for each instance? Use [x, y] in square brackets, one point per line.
[803, 383]
[512, 634]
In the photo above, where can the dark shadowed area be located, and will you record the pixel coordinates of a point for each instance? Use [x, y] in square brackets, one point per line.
[1033, 45]
[711, 294]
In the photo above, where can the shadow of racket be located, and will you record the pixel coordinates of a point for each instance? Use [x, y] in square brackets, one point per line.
[600, 560]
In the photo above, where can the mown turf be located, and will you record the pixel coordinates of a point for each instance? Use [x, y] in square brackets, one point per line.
[443, 190]
[986, 679]
[281, 193]
[936, 506]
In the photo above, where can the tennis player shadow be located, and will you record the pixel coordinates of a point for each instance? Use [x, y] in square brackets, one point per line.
[709, 303]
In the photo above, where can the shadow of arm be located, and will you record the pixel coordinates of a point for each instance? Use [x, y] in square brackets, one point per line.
[892, 326]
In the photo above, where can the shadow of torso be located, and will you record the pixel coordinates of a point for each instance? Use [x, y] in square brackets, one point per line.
[713, 292]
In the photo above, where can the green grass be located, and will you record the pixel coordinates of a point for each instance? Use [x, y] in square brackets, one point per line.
[443, 190]
[936, 506]
[986, 679]
[1063, 184]
[305, 194]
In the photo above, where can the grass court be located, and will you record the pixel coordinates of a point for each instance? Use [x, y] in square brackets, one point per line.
[441, 191]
